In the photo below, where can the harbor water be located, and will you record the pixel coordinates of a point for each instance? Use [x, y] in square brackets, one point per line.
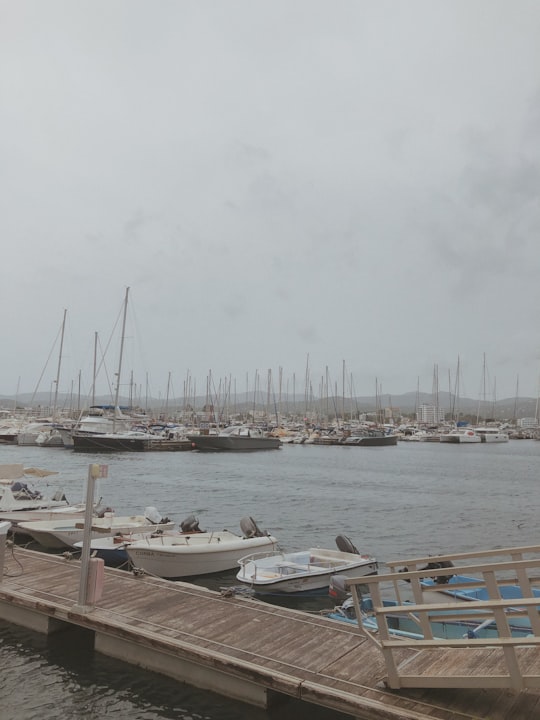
[410, 500]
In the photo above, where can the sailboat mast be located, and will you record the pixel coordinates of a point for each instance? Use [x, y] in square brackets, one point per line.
[55, 404]
[118, 374]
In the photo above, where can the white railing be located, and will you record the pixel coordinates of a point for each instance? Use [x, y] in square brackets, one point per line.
[495, 610]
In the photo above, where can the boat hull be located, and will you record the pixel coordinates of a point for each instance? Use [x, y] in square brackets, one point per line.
[216, 443]
[86, 442]
[192, 555]
[61, 535]
[108, 443]
[371, 441]
[403, 625]
[462, 438]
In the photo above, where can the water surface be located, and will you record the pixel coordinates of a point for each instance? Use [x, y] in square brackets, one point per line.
[410, 500]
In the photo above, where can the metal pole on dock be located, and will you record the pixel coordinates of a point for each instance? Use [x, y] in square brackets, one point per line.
[94, 471]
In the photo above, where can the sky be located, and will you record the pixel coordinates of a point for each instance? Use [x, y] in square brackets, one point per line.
[323, 189]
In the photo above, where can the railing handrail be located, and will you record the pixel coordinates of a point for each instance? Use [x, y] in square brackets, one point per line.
[500, 609]
[461, 608]
[466, 555]
[456, 570]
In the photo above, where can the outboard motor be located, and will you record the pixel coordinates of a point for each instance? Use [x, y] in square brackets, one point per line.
[437, 565]
[152, 514]
[337, 589]
[190, 525]
[250, 528]
[345, 545]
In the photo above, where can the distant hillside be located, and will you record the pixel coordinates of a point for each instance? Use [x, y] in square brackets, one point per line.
[405, 403]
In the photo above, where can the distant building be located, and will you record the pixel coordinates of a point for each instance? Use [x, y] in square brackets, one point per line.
[527, 423]
[429, 415]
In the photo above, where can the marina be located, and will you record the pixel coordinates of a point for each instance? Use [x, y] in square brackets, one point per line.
[440, 502]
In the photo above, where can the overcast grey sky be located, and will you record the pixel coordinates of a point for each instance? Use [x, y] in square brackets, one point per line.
[357, 181]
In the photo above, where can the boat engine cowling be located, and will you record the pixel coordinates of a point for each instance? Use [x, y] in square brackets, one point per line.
[250, 528]
[190, 525]
[337, 589]
[345, 545]
[152, 514]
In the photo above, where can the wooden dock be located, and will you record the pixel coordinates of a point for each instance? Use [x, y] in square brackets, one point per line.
[237, 646]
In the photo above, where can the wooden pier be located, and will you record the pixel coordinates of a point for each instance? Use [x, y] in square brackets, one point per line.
[237, 646]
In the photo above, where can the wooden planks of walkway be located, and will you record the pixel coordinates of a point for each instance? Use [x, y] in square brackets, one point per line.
[232, 644]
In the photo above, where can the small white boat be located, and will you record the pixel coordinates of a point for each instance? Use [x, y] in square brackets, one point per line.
[16, 493]
[187, 554]
[113, 548]
[307, 572]
[66, 532]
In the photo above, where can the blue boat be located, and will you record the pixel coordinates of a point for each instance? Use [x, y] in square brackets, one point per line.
[475, 590]
[404, 625]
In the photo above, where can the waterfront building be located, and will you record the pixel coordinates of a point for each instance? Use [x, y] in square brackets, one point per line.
[429, 414]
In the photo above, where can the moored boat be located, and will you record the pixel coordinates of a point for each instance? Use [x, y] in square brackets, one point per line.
[192, 553]
[404, 623]
[307, 572]
[466, 587]
[371, 438]
[17, 494]
[66, 532]
[461, 435]
[113, 548]
[492, 434]
[235, 438]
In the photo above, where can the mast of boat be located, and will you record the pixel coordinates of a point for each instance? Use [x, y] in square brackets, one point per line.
[537, 401]
[516, 401]
[55, 403]
[435, 390]
[343, 390]
[455, 401]
[16, 394]
[280, 391]
[482, 397]
[167, 397]
[306, 388]
[94, 371]
[118, 374]
[268, 386]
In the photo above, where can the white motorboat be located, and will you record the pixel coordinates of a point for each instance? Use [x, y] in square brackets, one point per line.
[113, 548]
[235, 438]
[191, 553]
[66, 532]
[492, 434]
[461, 435]
[307, 572]
[17, 493]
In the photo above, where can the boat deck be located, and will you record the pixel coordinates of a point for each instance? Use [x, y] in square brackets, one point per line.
[239, 646]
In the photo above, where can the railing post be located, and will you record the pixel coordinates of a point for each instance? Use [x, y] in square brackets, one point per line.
[503, 630]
